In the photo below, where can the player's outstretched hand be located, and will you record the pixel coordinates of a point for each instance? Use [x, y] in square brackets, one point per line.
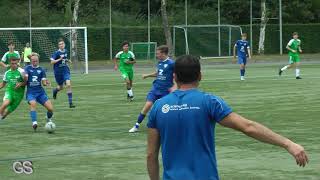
[300, 51]
[144, 76]
[18, 85]
[115, 68]
[294, 51]
[298, 153]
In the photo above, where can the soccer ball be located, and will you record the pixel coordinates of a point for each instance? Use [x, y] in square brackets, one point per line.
[50, 127]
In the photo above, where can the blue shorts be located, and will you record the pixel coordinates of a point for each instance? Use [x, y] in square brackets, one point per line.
[242, 60]
[154, 95]
[41, 97]
[61, 78]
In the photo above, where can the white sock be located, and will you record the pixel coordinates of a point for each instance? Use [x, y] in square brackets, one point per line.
[130, 92]
[297, 72]
[34, 122]
[284, 68]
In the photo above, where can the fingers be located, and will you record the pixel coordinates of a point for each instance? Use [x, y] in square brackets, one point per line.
[302, 159]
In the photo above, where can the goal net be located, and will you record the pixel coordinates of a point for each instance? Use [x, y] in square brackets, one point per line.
[206, 41]
[44, 41]
[144, 50]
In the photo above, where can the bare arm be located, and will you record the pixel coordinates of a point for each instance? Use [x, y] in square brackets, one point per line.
[154, 74]
[153, 154]
[249, 53]
[234, 51]
[264, 134]
[3, 64]
[115, 62]
[290, 48]
[131, 62]
[3, 84]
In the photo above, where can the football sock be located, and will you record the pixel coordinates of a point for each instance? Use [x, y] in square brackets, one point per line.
[55, 91]
[141, 118]
[297, 72]
[33, 115]
[130, 92]
[242, 72]
[70, 97]
[49, 115]
[284, 68]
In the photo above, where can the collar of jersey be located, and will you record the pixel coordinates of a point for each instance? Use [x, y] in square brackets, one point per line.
[62, 51]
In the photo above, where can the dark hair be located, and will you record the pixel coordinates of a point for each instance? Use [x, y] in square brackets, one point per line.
[125, 43]
[10, 43]
[163, 49]
[14, 59]
[187, 69]
[295, 33]
[60, 40]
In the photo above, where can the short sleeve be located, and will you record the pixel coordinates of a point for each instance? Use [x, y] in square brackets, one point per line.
[4, 57]
[26, 71]
[132, 55]
[44, 75]
[18, 54]
[218, 108]
[5, 79]
[153, 116]
[290, 42]
[236, 44]
[54, 56]
[118, 55]
[248, 45]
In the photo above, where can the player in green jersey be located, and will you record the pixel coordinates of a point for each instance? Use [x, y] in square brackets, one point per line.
[15, 83]
[294, 47]
[10, 54]
[27, 51]
[126, 60]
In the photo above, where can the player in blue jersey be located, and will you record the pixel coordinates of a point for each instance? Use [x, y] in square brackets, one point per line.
[60, 61]
[161, 86]
[36, 78]
[242, 47]
[183, 122]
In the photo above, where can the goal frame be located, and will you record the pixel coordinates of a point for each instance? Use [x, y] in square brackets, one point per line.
[185, 31]
[148, 51]
[58, 28]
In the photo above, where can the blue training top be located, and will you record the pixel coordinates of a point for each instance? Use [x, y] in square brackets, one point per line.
[186, 121]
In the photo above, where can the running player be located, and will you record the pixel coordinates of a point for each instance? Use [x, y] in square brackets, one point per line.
[60, 61]
[14, 81]
[26, 53]
[5, 61]
[243, 50]
[36, 78]
[162, 85]
[294, 47]
[127, 59]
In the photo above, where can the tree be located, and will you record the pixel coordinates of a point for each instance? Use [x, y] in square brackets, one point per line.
[165, 24]
[263, 24]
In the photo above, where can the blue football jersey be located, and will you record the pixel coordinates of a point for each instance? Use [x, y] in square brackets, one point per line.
[242, 47]
[164, 79]
[62, 65]
[186, 121]
[35, 76]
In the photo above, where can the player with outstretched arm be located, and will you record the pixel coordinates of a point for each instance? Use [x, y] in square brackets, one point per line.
[61, 70]
[183, 122]
[162, 85]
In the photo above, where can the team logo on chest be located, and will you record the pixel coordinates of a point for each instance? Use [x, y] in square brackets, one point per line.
[166, 65]
[39, 71]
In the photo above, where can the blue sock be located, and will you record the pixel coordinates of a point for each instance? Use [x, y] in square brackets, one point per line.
[70, 97]
[49, 114]
[33, 115]
[242, 72]
[141, 118]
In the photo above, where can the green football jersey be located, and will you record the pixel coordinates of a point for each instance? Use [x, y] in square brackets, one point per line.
[6, 57]
[123, 58]
[294, 44]
[11, 78]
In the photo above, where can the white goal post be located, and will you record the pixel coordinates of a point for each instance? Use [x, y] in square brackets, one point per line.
[44, 40]
[206, 41]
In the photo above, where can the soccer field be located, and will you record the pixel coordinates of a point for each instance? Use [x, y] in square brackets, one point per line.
[92, 141]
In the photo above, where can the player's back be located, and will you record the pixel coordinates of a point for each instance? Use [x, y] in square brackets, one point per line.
[186, 122]
[164, 79]
[35, 76]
